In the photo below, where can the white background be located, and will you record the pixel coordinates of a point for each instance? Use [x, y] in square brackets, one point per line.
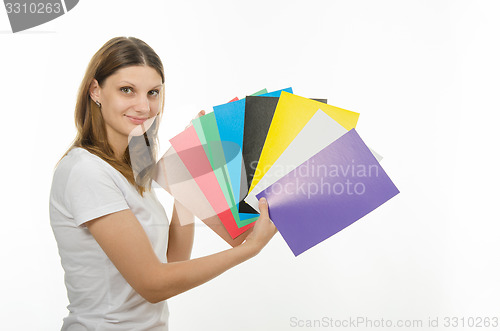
[425, 77]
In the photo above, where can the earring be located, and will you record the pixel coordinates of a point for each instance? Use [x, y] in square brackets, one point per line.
[98, 103]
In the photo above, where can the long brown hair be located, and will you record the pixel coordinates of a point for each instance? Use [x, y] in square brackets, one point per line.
[117, 53]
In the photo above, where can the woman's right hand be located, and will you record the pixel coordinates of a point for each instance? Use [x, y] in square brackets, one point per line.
[263, 230]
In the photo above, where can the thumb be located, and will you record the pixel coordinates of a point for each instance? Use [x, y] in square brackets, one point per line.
[263, 207]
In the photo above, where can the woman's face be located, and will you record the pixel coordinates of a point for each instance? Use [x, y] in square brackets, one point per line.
[128, 99]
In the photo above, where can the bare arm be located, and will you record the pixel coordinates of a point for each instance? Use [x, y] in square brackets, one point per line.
[181, 234]
[123, 239]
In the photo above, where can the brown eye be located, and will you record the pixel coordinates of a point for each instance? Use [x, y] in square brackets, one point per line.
[154, 92]
[126, 90]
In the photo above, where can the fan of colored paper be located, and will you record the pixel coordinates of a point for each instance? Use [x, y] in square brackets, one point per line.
[303, 155]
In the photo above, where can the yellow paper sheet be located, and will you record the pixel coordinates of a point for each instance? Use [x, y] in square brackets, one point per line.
[291, 115]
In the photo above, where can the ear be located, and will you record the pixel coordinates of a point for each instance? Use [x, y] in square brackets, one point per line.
[95, 90]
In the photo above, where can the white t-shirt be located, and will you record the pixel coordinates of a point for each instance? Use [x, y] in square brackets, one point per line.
[85, 187]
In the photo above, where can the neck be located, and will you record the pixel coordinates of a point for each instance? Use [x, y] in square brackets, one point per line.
[119, 151]
[118, 145]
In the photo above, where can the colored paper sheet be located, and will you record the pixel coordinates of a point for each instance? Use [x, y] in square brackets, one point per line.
[318, 133]
[172, 175]
[291, 115]
[259, 112]
[263, 91]
[204, 127]
[191, 152]
[177, 180]
[277, 93]
[328, 192]
[207, 131]
[230, 118]
[142, 158]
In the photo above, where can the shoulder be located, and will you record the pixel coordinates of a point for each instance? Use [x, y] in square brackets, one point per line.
[87, 187]
[80, 162]
[81, 169]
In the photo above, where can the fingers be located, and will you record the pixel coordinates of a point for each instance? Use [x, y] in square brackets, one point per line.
[264, 213]
[263, 208]
[200, 113]
[263, 230]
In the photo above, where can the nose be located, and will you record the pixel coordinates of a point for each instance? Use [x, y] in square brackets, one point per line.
[142, 104]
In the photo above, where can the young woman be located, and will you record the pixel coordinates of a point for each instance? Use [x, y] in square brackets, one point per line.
[121, 257]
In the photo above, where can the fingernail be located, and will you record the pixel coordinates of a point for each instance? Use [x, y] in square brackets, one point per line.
[262, 200]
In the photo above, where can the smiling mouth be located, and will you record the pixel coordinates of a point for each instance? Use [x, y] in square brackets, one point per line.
[136, 120]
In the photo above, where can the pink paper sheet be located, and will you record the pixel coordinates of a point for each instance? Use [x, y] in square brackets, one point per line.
[191, 152]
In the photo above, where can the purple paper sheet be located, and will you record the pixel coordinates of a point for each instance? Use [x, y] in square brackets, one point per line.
[328, 192]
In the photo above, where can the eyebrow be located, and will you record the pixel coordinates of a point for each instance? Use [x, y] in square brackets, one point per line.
[124, 81]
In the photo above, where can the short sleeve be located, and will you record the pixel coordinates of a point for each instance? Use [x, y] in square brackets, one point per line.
[91, 192]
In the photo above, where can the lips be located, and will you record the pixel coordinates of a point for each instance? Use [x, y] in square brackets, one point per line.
[137, 120]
